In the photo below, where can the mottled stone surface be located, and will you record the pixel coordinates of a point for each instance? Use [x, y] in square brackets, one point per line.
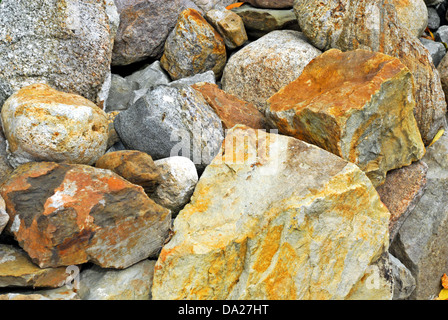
[374, 25]
[206, 5]
[49, 294]
[67, 44]
[4, 217]
[261, 68]
[404, 282]
[230, 109]
[229, 25]
[349, 113]
[43, 124]
[252, 232]
[442, 68]
[401, 192]
[63, 214]
[271, 4]
[413, 14]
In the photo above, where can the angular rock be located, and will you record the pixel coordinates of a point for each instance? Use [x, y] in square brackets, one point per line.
[404, 282]
[422, 241]
[178, 177]
[65, 44]
[149, 77]
[4, 217]
[120, 94]
[64, 214]
[207, 77]
[413, 14]
[349, 113]
[436, 49]
[207, 5]
[144, 27]
[260, 69]
[271, 4]
[17, 270]
[193, 47]
[230, 109]
[172, 120]
[133, 283]
[374, 25]
[229, 25]
[43, 124]
[252, 232]
[401, 192]
[135, 166]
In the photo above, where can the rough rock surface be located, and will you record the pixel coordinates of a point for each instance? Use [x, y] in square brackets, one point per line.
[261, 68]
[413, 14]
[193, 47]
[178, 178]
[229, 25]
[206, 5]
[404, 282]
[271, 4]
[64, 214]
[43, 124]
[442, 68]
[252, 232]
[350, 113]
[67, 44]
[5, 167]
[47, 294]
[4, 217]
[374, 25]
[171, 121]
[436, 50]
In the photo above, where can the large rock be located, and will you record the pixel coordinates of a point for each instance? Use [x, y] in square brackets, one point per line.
[374, 25]
[271, 4]
[193, 47]
[260, 69]
[422, 241]
[169, 120]
[67, 44]
[229, 25]
[64, 214]
[413, 14]
[43, 124]
[206, 5]
[144, 27]
[350, 113]
[252, 232]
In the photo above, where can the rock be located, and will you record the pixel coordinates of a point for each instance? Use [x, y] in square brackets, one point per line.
[349, 113]
[421, 242]
[144, 27]
[149, 77]
[178, 177]
[230, 109]
[401, 192]
[436, 49]
[193, 47]
[67, 45]
[5, 167]
[67, 214]
[135, 166]
[207, 5]
[337, 24]
[433, 2]
[413, 14]
[4, 217]
[206, 77]
[49, 294]
[133, 283]
[441, 35]
[260, 69]
[169, 120]
[17, 270]
[259, 22]
[442, 68]
[252, 232]
[271, 4]
[120, 94]
[404, 282]
[433, 19]
[43, 124]
[113, 137]
[229, 25]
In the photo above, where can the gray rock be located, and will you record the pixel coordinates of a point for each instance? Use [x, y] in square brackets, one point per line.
[148, 77]
[441, 34]
[404, 282]
[422, 242]
[433, 2]
[67, 45]
[120, 94]
[169, 120]
[206, 5]
[433, 19]
[208, 76]
[436, 49]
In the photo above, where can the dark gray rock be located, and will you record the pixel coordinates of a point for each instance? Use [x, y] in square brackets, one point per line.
[433, 19]
[148, 77]
[404, 282]
[436, 49]
[120, 94]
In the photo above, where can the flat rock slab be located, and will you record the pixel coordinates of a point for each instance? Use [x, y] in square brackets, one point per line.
[65, 214]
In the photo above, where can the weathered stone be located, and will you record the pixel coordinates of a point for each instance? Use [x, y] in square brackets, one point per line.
[5, 167]
[17, 270]
[422, 241]
[65, 44]
[413, 14]
[230, 109]
[206, 5]
[404, 282]
[113, 137]
[135, 166]
[208, 77]
[229, 25]
[436, 50]
[441, 35]
[133, 283]
[178, 177]
[252, 232]
[144, 27]
[120, 94]
[271, 4]
[64, 214]
[43, 124]
[193, 47]
[433, 2]
[259, 22]
[433, 19]
[4, 217]
[50, 294]
[442, 68]
[401, 192]
[374, 25]
[149, 77]
[260, 69]
[349, 113]
[169, 120]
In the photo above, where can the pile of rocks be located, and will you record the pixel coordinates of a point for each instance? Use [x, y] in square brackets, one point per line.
[208, 149]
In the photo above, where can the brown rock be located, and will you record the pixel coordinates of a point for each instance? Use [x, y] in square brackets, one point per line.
[135, 166]
[230, 109]
[64, 214]
[229, 25]
[271, 4]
